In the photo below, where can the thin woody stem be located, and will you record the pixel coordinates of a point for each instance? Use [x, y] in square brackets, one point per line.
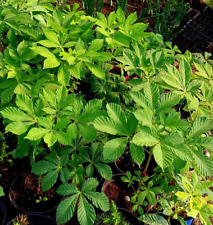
[148, 161]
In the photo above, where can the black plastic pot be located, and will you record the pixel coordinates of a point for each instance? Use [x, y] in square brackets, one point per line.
[38, 208]
[3, 213]
[37, 219]
[129, 217]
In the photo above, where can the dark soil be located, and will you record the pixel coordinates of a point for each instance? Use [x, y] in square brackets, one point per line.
[9, 169]
[125, 163]
[196, 221]
[26, 190]
[118, 192]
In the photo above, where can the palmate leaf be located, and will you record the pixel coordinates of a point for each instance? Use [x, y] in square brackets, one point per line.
[99, 200]
[36, 133]
[167, 101]
[66, 209]
[145, 137]
[203, 163]
[205, 142]
[63, 137]
[116, 113]
[104, 170]
[67, 189]
[43, 167]
[85, 212]
[140, 99]
[113, 149]
[181, 150]
[132, 123]
[51, 61]
[200, 126]
[185, 72]
[89, 185]
[91, 111]
[87, 131]
[96, 70]
[50, 138]
[153, 219]
[137, 154]
[49, 180]
[15, 114]
[151, 91]
[63, 74]
[25, 104]
[105, 124]
[18, 127]
[163, 156]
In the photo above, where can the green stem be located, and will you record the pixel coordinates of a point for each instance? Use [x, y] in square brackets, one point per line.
[180, 211]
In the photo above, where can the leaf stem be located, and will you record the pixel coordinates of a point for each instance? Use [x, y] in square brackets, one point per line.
[148, 162]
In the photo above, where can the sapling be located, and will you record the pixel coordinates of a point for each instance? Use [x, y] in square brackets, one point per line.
[114, 217]
[21, 219]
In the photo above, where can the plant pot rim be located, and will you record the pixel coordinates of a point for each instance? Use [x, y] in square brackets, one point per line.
[4, 212]
[37, 215]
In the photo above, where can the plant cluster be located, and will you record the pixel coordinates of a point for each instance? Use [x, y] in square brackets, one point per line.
[74, 115]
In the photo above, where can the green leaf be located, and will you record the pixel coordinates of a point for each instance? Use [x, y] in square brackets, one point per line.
[105, 124]
[67, 189]
[52, 36]
[167, 101]
[66, 209]
[89, 185]
[49, 180]
[183, 195]
[87, 131]
[200, 126]
[96, 45]
[163, 156]
[113, 149]
[140, 99]
[145, 137]
[185, 72]
[25, 104]
[15, 114]
[43, 167]
[48, 44]
[116, 113]
[18, 127]
[85, 212]
[50, 138]
[36, 133]
[137, 154]
[151, 91]
[153, 219]
[1, 191]
[203, 163]
[132, 123]
[63, 137]
[63, 74]
[120, 15]
[96, 70]
[51, 61]
[205, 142]
[104, 170]
[99, 200]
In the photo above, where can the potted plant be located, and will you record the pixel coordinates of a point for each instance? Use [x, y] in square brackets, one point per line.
[31, 219]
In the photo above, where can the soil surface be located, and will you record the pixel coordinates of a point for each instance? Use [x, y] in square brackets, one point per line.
[118, 192]
[26, 190]
[9, 168]
[124, 164]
